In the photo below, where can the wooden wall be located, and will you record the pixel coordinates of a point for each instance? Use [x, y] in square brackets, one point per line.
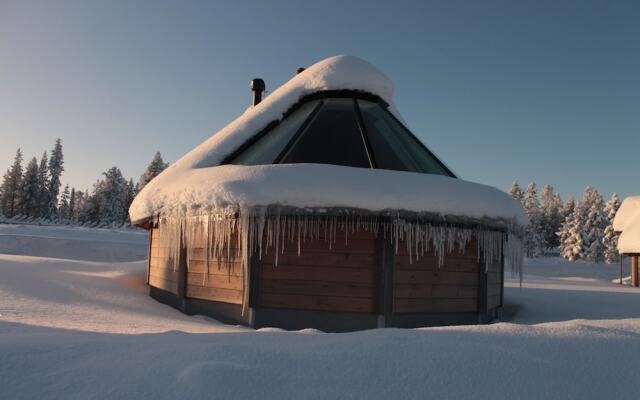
[494, 285]
[340, 279]
[161, 271]
[343, 278]
[422, 287]
[221, 279]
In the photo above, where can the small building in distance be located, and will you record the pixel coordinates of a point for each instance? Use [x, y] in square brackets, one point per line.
[627, 223]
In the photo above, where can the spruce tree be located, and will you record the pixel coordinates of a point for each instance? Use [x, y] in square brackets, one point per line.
[63, 206]
[156, 166]
[571, 245]
[43, 186]
[30, 192]
[72, 205]
[516, 192]
[55, 171]
[551, 206]
[113, 197]
[534, 241]
[11, 187]
[610, 239]
[594, 225]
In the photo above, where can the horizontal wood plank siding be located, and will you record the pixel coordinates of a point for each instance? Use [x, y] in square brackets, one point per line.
[494, 285]
[217, 278]
[340, 277]
[420, 286]
[162, 273]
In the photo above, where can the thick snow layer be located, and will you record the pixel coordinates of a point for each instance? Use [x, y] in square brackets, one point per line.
[326, 186]
[197, 180]
[78, 329]
[627, 221]
[629, 210]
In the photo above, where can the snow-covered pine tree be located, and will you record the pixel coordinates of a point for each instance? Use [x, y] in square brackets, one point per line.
[571, 245]
[563, 232]
[43, 186]
[63, 205]
[594, 224]
[534, 241]
[550, 220]
[72, 205]
[156, 166]
[55, 171]
[11, 187]
[130, 195]
[89, 213]
[30, 192]
[610, 239]
[113, 197]
[516, 192]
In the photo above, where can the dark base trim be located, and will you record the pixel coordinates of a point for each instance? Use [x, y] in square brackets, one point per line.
[224, 312]
[326, 321]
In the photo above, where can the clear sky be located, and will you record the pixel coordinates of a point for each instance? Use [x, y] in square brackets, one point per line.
[500, 90]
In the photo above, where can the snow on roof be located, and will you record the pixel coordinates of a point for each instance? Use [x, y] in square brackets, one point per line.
[325, 186]
[629, 209]
[627, 221]
[198, 180]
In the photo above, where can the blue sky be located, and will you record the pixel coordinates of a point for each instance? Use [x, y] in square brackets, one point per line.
[500, 90]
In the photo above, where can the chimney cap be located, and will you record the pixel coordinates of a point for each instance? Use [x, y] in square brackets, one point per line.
[257, 84]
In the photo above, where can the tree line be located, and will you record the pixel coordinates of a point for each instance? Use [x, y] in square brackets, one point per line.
[578, 230]
[33, 193]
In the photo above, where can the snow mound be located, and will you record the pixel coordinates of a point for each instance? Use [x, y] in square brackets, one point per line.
[627, 221]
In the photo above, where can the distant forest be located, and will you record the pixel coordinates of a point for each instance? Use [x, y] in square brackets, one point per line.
[575, 230]
[35, 194]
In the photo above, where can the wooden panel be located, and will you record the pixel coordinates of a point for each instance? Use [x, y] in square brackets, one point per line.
[329, 259]
[435, 291]
[450, 263]
[323, 303]
[328, 274]
[470, 251]
[215, 294]
[167, 274]
[436, 305]
[216, 268]
[164, 284]
[215, 281]
[436, 277]
[316, 288]
[353, 246]
[340, 278]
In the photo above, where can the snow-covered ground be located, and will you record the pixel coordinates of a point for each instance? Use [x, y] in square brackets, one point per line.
[74, 325]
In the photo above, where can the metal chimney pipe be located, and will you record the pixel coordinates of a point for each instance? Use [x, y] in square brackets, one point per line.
[257, 87]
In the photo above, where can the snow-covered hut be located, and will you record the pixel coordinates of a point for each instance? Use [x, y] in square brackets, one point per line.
[627, 223]
[318, 208]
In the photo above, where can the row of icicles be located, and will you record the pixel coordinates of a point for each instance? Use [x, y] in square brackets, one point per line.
[229, 235]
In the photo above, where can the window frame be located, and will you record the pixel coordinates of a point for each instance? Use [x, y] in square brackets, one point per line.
[334, 94]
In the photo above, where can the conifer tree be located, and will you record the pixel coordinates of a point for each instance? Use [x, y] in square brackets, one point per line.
[30, 192]
[534, 241]
[55, 171]
[113, 197]
[156, 166]
[63, 206]
[72, 205]
[11, 187]
[572, 246]
[516, 192]
[594, 225]
[43, 186]
[610, 239]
